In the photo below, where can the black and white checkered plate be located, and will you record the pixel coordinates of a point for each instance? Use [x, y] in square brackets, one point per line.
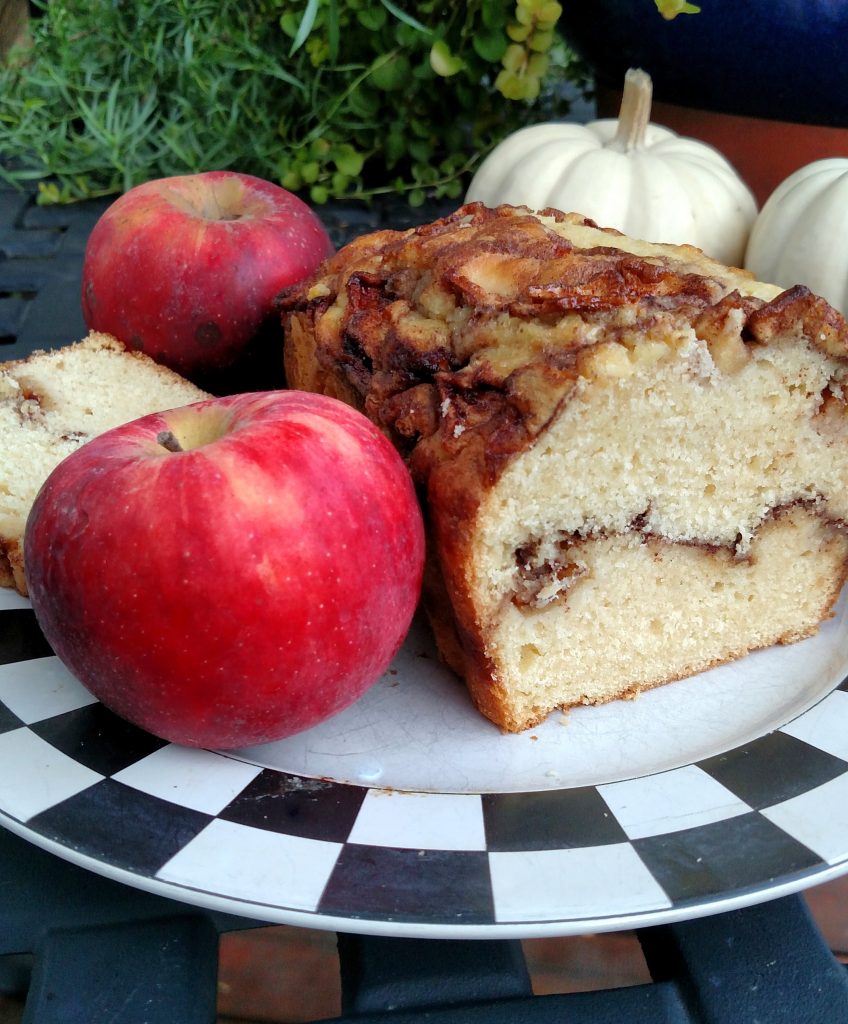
[408, 814]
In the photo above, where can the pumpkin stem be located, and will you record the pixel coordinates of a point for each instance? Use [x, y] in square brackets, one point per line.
[634, 113]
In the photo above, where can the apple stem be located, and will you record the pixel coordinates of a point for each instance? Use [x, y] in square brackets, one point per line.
[168, 440]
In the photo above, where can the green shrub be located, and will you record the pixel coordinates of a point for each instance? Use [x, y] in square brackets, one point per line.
[331, 98]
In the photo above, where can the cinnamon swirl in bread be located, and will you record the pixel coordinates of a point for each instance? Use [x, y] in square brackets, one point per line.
[633, 460]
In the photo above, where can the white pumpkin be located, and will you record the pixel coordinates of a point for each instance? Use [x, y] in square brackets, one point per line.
[625, 173]
[799, 235]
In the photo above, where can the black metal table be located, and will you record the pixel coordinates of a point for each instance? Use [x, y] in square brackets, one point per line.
[95, 950]
[103, 952]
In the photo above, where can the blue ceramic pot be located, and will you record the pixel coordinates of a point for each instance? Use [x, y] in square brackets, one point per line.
[781, 59]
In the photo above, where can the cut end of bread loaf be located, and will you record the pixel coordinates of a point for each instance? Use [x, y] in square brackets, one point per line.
[54, 401]
[666, 521]
[645, 611]
[634, 459]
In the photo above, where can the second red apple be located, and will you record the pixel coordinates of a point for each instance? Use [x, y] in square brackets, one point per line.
[186, 268]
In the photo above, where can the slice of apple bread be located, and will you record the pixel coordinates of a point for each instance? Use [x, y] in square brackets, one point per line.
[54, 401]
[633, 460]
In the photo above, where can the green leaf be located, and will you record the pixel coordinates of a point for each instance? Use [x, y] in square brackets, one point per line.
[348, 161]
[491, 46]
[549, 13]
[340, 183]
[443, 62]
[309, 171]
[513, 58]
[292, 181]
[48, 192]
[541, 42]
[305, 26]
[421, 150]
[372, 18]
[494, 14]
[319, 148]
[392, 74]
[365, 104]
[333, 31]
[289, 23]
[394, 147]
[409, 38]
[518, 33]
[407, 19]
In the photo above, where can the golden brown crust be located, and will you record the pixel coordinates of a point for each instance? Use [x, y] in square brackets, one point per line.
[8, 577]
[798, 311]
[487, 317]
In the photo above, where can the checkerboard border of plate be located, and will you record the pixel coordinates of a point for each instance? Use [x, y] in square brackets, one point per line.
[204, 827]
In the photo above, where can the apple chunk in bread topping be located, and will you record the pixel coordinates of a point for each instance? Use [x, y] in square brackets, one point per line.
[230, 572]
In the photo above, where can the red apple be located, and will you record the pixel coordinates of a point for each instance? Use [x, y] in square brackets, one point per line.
[186, 268]
[236, 590]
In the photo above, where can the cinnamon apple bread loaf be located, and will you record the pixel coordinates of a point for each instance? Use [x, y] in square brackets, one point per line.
[633, 460]
[54, 401]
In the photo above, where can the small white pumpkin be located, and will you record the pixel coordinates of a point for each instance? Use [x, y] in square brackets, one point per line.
[628, 174]
[799, 235]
